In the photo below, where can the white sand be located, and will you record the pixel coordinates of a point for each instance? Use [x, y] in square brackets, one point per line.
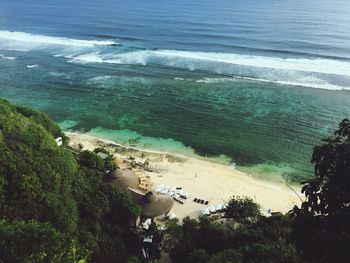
[206, 180]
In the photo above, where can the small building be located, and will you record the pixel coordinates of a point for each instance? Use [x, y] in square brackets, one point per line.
[148, 239]
[123, 179]
[59, 141]
[102, 155]
[152, 205]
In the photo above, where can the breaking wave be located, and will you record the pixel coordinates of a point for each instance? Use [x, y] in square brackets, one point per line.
[21, 41]
[5, 57]
[306, 72]
[323, 73]
[190, 58]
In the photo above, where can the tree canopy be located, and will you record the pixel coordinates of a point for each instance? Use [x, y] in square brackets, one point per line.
[322, 224]
[36, 175]
[206, 240]
[242, 209]
[55, 206]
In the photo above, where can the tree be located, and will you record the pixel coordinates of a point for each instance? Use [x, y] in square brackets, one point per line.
[322, 224]
[198, 256]
[55, 207]
[329, 191]
[108, 161]
[31, 241]
[242, 209]
[227, 256]
[35, 174]
[104, 216]
[91, 161]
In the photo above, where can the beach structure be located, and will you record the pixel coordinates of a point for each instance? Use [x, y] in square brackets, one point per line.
[59, 141]
[136, 179]
[147, 246]
[123, 179]
[146, 224]
[213, 209]
[102, 155]
[148, 239]
[205, 211]
[152, 205]
[119, 162]
[176, 193]
[144, 180]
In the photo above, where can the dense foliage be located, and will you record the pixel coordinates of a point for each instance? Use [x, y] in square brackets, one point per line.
[206, 240]
[322, 224]
[31, 241]
[35, 174]
[242, 210]
[54, 205]
[104, 215]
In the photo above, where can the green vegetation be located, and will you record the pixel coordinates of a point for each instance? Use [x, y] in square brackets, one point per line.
[318, 231]
[322, 224]
[54, 206]
[30, 241]
[206, 240]
[242, 210]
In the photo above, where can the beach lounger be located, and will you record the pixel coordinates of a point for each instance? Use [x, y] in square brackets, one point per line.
[219, 208]
[184, 195]
[195, 200]
[178, 200]
[206, 202]
[202, 201]
[212, 209]
[205, 212]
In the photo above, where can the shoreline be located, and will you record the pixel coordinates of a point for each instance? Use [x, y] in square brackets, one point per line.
[200, 177]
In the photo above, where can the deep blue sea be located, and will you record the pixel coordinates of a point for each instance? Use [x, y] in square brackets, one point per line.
[256, 83]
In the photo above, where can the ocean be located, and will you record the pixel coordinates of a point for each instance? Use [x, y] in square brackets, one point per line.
[251, 83]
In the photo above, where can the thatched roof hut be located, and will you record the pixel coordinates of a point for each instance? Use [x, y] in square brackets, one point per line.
[123, 179]
[152, 204]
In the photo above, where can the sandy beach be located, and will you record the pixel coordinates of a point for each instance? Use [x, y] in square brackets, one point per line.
[200, 177]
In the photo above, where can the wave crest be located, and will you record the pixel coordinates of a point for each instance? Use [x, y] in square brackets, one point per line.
[321, 73]
[24, 41]
[316, 73]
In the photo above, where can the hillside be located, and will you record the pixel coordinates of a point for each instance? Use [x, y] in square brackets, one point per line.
[54, 207]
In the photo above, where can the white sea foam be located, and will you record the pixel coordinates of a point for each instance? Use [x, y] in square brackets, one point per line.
[88, 58]
[215, 80]
[99, 79]
[24, 41]
[310, 72]
[303, 82]
[315, 73]
[60, 74]
[32, 66]
[185, 58]
[5, 57]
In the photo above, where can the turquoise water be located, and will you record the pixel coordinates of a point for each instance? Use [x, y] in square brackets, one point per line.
[256, 83]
